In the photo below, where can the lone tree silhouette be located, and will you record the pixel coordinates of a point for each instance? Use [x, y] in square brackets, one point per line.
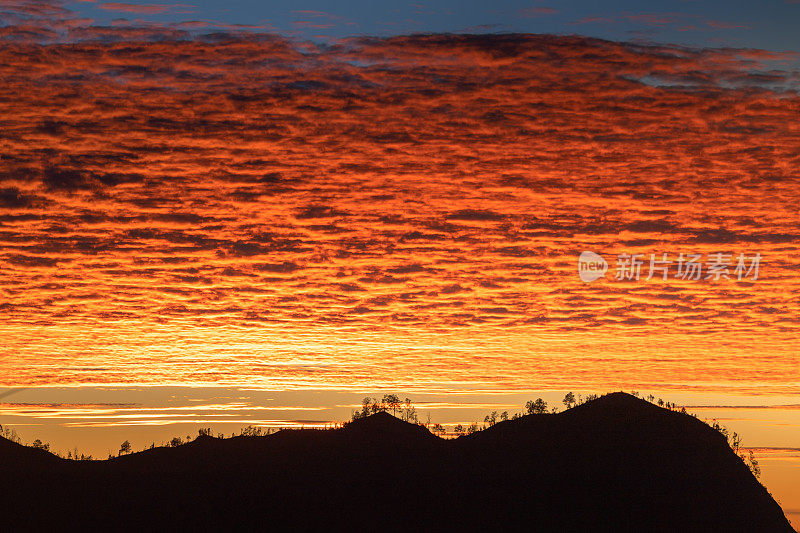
[125, 448]
[536, 407]
[569, 400]
[41, 445]
[392, 403]
[409, 411]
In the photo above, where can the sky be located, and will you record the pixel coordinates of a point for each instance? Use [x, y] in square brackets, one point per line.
[771, 25]
[262, 213]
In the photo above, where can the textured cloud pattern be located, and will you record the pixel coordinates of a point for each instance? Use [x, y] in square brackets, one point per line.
[243, 208]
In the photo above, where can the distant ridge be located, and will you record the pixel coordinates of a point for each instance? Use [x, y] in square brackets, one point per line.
[616, 463]
[13, 454]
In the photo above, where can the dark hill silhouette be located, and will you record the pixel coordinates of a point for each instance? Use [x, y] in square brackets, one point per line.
[12, 453]
[613, 464]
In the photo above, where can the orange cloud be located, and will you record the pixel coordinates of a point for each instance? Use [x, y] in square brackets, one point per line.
[235, 187]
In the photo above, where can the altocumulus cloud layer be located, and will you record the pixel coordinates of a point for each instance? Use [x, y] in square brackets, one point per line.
[157, 182]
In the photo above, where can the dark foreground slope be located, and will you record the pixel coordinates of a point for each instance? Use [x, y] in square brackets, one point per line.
[613, 464]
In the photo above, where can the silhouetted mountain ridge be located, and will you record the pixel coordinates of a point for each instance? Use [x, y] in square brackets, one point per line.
[615, 464]
[12, 453]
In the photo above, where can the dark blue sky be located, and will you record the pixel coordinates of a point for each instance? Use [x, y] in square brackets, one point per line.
[771, 25]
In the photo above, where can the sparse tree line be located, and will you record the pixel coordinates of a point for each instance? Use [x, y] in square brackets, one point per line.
[536, 407]
[733, 439]
[126, 447]
[10, 434]
[406, 411]
[390, 403]
[735, 442]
